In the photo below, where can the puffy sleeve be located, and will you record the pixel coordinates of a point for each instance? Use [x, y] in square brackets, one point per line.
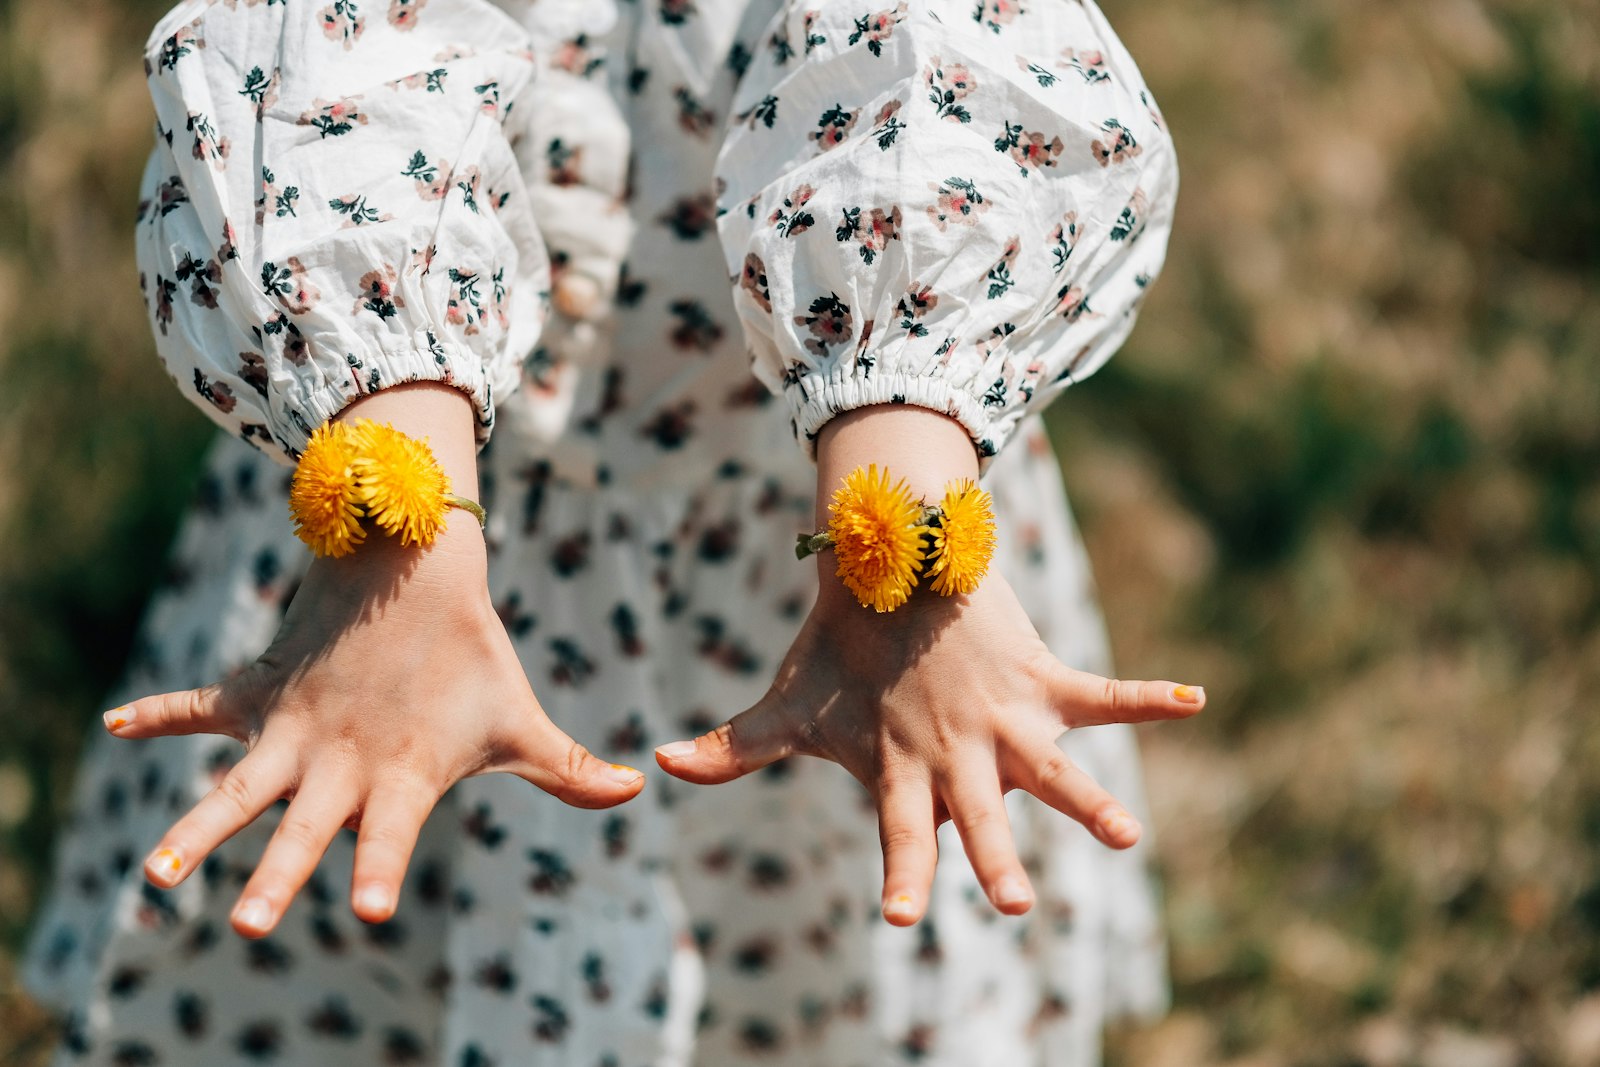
[957, 204]
[332, 207]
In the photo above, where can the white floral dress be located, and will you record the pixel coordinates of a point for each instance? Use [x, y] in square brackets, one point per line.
[785, 210]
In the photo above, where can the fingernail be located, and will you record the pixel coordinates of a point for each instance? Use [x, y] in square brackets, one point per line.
[1188, 694]
[373, 899]
[1009, 891]
[253, 914]
[676, 749]
[1119, 825]
[165, 862]
[117, 718]
[625, 775]
[900, 906]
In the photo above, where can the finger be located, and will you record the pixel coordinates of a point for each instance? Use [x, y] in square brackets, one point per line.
[910, 849]
[1085, 699]
[566, 770]
[314, 816]
[1048, 774]
[979, 812]
[207, 710]
[391, 821]
[750, 740]
[249, 788]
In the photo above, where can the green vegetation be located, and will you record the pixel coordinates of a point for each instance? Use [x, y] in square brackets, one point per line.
[1343, 475]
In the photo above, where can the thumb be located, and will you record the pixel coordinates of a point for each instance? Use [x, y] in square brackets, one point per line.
[569, 772]
[749, 741]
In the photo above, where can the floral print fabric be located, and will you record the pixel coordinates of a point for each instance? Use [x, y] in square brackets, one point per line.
[950, 204]
[421, 177]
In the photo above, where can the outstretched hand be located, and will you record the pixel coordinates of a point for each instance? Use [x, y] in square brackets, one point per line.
[938, 708]
[390, 680]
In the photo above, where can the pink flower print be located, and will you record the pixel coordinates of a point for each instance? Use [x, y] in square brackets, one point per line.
[490, 92]
[997, 13]
[576, 56]
[999, 275]
[333, 118]
[261, 88]
[465, 306]
[1089, 63]
[677, 12]
[403, 13]
[878, 27]
[203, 279]
[918, 300]
[886, 126]
[253, 371]
[1131, 220]
[377, 293]
[808, 24]
[289, 284]
[1119, 147]
[690, 217]
[563, 161]
[208, 145]
[500, 298]
[789, 218]
[342, 22]
[693, 116]
[1063, 239]
[446, 55]
[166, 288]
[432, 178]
[422, 257]
[1071, 304]
[833, 127]
[356, 210]
[873, 233]
[958, 200]
[217, 392]
[468, 179]
[1033, 151]
[947, 86]
[184, 41]
[228, 249]
[431, 80]
[171, 195]
[753, 280]
[829, 323]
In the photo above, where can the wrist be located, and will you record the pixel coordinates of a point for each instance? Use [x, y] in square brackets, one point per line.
[439, 413]
[926, 448]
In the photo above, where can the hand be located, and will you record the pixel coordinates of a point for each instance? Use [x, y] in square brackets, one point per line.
[939, 707]
[390, 680]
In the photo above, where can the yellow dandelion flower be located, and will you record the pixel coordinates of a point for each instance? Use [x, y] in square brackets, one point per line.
[401, 484]
[877, 536]
[963, 542]
[324, 498]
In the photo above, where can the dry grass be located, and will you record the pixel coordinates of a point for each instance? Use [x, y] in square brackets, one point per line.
[1344, 475]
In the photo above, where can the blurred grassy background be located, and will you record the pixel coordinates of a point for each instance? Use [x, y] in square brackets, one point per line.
[1344, 474]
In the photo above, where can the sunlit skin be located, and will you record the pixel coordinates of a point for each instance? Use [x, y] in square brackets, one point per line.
[392, 678]
[938, 707]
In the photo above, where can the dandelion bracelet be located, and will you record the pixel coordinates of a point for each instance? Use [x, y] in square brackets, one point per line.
[369, 470]
[885, 540]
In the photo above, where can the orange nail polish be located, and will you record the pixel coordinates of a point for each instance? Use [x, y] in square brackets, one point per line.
[117, 718]
[1187, 694]
[165, 861]
[625, 775]
[900, 905]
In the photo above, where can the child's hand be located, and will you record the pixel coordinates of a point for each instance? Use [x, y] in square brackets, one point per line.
[938, 707]
[390, 680]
